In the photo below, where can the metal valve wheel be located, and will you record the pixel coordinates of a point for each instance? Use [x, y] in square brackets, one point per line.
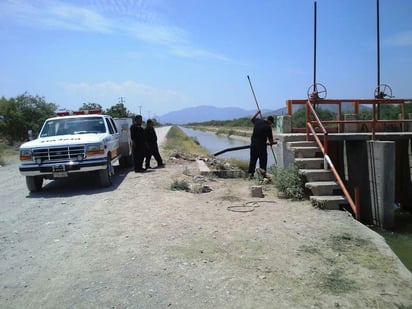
[383, 91]
[317, 91]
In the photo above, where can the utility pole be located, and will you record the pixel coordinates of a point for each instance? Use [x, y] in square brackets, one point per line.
[122, 100]
[140, 109]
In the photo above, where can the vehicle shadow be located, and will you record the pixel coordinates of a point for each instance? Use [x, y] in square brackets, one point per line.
[81, 184]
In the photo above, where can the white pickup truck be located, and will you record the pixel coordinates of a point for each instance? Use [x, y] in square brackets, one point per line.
[76, 144]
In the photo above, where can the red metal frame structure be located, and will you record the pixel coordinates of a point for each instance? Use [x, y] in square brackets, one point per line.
[374, 122]
[316, 127]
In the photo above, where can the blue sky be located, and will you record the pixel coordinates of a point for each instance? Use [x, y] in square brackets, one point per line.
[165, 55]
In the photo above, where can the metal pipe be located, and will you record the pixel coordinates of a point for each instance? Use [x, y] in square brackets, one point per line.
[357, 203]
[373, 120]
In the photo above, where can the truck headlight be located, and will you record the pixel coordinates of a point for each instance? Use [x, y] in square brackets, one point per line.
[94, 149]
[25, 154]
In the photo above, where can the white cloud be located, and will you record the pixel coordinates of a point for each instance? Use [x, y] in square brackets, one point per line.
[53, 15]
[400, 39]
[59, 15]
[190, 52]
[75, 18]
[157, 34]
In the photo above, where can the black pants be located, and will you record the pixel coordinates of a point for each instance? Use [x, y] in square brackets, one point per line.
[257, 153]
[153, 151]
[138, 156]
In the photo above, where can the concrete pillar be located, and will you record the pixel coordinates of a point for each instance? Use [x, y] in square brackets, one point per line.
[381, 166]
[284, 124]
[285, 157]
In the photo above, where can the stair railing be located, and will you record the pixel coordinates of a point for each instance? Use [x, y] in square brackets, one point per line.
[310, 110]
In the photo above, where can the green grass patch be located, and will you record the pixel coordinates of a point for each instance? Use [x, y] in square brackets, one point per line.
[177, 140]
[335, 283]
[342, 254]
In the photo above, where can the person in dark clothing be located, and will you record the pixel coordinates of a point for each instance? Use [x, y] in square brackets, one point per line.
[139, 148]
[153, 148]
[262, 132]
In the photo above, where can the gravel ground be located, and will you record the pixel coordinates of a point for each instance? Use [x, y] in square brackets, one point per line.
[138, 244]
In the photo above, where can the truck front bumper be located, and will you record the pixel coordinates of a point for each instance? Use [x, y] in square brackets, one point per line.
[60, 169]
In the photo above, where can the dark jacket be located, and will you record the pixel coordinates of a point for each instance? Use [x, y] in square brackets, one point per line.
[262, 131]
[138, 136]
[151, 136]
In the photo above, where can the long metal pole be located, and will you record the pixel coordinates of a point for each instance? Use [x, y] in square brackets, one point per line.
[314, 46]
[254, 96]
[378, 46]
[261, 116]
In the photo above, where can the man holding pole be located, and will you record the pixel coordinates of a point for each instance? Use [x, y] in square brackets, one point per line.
[262, 132]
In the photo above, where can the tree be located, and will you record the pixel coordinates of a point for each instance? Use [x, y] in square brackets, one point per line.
[23, 113]
[90, 106]
[299, 117]
[155, 122]
[118, 111]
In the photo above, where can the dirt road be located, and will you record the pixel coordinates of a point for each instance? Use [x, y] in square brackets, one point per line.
[138, 244]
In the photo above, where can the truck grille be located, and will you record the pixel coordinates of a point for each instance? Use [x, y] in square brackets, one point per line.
[58, 153]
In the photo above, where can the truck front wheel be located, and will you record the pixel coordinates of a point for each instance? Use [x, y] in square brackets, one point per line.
[34, 183]
[105, 175]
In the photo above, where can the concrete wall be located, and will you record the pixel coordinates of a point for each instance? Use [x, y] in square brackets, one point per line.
[284, 156]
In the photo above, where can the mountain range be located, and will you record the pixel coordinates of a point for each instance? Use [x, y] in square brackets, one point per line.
[204, 113]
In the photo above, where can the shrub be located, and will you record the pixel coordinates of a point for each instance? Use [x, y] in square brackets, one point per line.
[288, 182]
[180, 185]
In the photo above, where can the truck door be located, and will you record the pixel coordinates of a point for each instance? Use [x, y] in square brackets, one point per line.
[113, 143]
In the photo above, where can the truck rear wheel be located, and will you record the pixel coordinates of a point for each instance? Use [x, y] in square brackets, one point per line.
[34, 183]
[105, 175]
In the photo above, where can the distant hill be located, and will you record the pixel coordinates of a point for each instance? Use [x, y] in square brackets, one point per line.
[204, 113]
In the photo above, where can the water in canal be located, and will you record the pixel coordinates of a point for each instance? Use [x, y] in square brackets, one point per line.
[214, 143]
[399, 239]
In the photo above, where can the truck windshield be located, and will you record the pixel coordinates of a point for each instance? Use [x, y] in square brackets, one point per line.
[80, 125]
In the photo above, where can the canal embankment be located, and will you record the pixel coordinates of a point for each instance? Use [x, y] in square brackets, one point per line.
[215, 139]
